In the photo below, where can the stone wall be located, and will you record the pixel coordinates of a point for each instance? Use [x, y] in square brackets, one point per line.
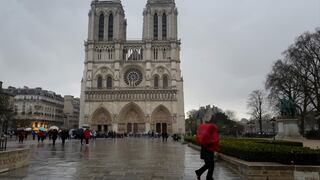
[13, 159]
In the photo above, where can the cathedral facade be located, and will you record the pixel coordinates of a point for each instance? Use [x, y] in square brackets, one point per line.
[132, 86]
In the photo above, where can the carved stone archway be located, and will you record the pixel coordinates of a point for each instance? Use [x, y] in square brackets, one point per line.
[131, 119]
[101, 119]
[161, 120]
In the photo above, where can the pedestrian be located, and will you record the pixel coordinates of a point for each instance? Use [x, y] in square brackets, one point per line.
[94, 134]
[39, 136]
[21, 135]
[208, 138]
[64, 135]
[33, 135]
[80, 135]
[54, 136]
[166, 136]
[87, 135]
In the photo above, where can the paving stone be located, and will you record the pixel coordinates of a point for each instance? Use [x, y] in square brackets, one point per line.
[120, 159]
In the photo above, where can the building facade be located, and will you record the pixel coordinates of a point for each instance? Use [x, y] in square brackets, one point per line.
[132, 86]
[6, 109]
[71, 112]
[37, 108]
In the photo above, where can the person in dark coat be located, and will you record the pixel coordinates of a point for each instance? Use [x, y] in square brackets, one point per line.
[54, 135]
[80, 135]
[64, 135]
[21, 135]
[208, 157]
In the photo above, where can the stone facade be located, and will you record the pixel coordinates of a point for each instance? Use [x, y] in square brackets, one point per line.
[71, 111]
[36, 108]
[132, 86]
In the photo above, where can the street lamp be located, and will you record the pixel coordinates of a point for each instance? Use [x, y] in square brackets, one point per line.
[236, 128]
[273, 122]
[251, 125]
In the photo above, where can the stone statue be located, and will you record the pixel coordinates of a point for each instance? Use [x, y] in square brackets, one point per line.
[287, 108]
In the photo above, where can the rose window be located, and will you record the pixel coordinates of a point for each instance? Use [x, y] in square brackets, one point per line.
[133, 77]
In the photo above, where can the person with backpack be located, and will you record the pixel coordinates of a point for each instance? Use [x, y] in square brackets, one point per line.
[208, 138]
[87, 135]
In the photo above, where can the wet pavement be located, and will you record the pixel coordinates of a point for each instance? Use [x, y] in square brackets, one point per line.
[115, 159]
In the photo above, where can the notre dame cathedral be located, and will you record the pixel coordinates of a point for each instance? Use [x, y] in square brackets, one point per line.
[132, 86]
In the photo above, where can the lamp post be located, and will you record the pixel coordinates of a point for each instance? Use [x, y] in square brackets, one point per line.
[273, 122]
[251, 125]
[236, 128]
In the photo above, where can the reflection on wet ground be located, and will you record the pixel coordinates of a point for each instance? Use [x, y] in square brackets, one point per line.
[120, 159]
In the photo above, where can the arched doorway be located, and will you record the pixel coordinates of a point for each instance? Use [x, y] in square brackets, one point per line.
[131, 119]
[161, 120]
[101, 120]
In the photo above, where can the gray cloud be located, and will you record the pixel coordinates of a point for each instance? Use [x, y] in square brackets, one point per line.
[228, 46]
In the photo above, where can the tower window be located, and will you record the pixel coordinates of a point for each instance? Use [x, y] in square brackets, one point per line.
[101, 27]
[164, 53]
[156, 82]
[99, 82]
[155, 53]
[164, 26]
[155, 26]
[109, 82]
[165, 82]
[110, 28]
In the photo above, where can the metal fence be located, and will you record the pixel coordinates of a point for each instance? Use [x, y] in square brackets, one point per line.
[3, 143]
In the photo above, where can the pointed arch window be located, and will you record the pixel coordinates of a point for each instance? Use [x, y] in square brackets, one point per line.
[156, 82]
[164, 26]
[101, 27]
[165, 82]
[155, 26]
[99, 82]
[109, 82]
[110, 28]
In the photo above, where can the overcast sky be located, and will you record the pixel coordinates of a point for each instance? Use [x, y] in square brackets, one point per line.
[228, 46]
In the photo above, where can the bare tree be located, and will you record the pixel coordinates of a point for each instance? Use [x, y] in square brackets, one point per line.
[231, 114]
[256, 105]
[286, 82]
[304, 55]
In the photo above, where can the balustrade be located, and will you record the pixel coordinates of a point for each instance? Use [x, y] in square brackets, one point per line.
[130, 95]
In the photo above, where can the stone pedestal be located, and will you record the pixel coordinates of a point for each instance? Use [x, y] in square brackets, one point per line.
[288, 129]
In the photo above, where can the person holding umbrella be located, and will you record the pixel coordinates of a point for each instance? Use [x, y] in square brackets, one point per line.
[208, 138]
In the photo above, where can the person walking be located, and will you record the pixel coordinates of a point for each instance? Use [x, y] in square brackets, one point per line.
[64, 135]
[54, 135]
[208, 138]
[94, 134]
[21, 136]
[80, 135]
[33, 133]
[87, 135]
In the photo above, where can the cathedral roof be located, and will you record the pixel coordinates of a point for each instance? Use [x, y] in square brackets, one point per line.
[107, 1]
[160, 1]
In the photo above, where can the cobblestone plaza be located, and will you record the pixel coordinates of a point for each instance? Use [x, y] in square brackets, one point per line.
[115, 159]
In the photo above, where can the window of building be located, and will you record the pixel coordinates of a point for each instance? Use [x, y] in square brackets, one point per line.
[164, 53]
[165, 82]
[156, 82]
[101, 27]
[164, 26]
[155, 26]
[99, 82]
[155, 53]
[109, 82]
[110, 28]
[99, 54]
